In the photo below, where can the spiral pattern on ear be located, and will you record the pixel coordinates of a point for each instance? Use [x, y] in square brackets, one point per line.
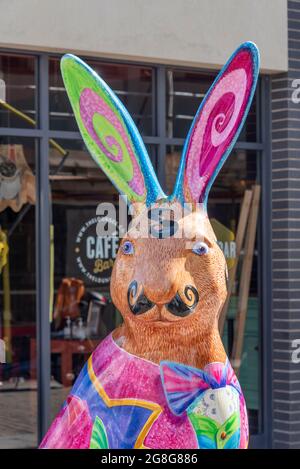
[217, 125]
[109, 132]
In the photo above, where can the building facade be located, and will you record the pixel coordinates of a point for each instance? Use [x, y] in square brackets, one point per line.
[285, 240]
[160, 58]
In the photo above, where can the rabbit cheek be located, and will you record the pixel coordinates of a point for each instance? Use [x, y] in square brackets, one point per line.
[209, 280]
[121, 277]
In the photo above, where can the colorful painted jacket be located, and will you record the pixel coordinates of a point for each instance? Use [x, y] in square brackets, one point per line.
[122, 401]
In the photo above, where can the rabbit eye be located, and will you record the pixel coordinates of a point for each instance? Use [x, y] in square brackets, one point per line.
[127, 248]
[200, 248]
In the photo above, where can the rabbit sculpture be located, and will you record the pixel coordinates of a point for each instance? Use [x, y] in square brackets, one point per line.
[162, 379]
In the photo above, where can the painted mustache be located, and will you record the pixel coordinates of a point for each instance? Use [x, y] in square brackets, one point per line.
[179, 306]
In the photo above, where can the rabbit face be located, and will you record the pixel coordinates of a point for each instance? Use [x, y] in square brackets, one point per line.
[165, 279]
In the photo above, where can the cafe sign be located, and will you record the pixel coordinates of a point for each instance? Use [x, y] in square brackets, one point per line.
[92, 255]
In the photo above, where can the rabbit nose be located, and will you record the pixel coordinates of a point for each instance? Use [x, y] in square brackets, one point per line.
[137, 300]
[184, 302]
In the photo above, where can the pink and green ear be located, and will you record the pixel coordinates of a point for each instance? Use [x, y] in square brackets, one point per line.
[217, 125]
[109, 132]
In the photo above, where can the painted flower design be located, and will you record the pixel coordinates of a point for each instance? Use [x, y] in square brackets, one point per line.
[212, 399]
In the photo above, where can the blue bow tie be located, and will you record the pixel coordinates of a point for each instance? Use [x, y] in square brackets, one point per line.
[183, 384]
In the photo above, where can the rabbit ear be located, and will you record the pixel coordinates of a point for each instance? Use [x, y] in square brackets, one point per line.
[217, 125]
[109, 132]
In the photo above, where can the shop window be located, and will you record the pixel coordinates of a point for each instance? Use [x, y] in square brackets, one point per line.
[18, 95]
[185, 91]
[18, 383]
[81, 308]
[240, 172]
[132, 84]
[82, 312]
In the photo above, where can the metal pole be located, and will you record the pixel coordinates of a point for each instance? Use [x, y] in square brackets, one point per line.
[43, 254]
[266, 217]
[161, 124]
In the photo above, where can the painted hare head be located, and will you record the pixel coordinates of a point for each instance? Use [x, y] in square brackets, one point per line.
[168, 282]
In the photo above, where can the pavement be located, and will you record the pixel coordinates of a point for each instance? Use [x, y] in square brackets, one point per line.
[18, 409]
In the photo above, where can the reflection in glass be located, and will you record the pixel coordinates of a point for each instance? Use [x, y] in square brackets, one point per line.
[132, 84]
[18, 384]
[82, 312]
[238, 174]
[17, 91]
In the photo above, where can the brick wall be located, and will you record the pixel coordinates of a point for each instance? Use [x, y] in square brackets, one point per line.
[286, 241]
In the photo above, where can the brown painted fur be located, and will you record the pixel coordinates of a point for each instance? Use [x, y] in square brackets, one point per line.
[163, 267]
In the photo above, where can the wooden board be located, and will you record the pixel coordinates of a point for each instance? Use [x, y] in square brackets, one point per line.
[245, 282]
[240, 234]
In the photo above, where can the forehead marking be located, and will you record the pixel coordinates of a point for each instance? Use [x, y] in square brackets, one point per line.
[162, 223]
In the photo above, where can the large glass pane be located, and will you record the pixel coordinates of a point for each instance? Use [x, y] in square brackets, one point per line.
[132, 84]
[82, 312]
[18, 385]
[17, 91]
[185, 91]
[239, 173]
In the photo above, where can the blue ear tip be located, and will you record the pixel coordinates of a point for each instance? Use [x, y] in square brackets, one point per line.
[250, 44]
[253, 49]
